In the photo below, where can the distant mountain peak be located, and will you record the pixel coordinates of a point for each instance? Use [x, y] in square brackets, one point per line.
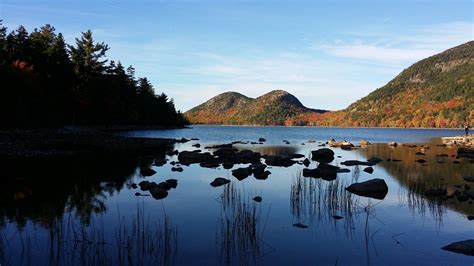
[272, 108]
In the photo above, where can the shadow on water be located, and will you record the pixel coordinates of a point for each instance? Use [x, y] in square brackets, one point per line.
[441, 170]
[240, 229]
[57, 205]
[139, 241]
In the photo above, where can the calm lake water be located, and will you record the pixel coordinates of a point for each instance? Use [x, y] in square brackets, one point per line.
[86, 212]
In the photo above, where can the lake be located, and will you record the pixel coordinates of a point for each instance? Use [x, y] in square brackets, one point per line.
[87, 212]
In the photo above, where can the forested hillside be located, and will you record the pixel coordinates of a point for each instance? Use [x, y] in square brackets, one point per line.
[232, 108]
[46, 82]
[435, 92]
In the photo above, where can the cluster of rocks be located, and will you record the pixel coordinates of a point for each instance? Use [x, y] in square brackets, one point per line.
[157, 191]
[461, 193]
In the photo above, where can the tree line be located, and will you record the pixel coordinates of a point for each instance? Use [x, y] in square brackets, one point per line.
[46, 82]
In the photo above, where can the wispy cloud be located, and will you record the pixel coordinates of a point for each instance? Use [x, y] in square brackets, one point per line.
[414, 44]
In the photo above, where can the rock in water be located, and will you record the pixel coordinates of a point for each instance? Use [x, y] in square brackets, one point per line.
[147, 172]
[220, 181]
[356, 162]
[369, 170]
[375, 188]
[306, 162]
[241, 173]
[257, 199]
[158, 193]
[323, 155]
[465, 247]
[177, 169]
[172, 182]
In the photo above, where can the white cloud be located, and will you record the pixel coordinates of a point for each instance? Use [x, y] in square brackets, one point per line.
[378, 53]
[380, 45]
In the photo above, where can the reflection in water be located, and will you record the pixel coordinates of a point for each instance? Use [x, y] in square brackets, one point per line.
[439, 171]
[316, 201]
[239, 232]
[138, 241]
[67, 199]
[274, 150]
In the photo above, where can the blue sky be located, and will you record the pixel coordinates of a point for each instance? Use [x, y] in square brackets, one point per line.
[327, 53]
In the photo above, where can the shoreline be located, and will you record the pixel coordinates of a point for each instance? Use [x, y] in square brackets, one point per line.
[74, 142]
[434, 128]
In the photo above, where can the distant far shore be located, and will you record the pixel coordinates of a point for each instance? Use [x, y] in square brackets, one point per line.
[443, 128]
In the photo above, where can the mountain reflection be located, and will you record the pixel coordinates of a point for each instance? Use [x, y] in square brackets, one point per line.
[439, 171]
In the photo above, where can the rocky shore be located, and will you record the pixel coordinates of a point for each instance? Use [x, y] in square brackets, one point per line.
[70, 142]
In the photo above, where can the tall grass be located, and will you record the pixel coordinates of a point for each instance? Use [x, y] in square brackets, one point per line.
[140, 240]
[239, 230]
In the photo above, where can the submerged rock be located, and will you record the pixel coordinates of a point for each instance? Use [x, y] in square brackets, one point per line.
[465, 247]
[219, 181]
[375, 188]
[277, 160]
[374, 160]
[356, 162]
[300, 225]
[323, 155]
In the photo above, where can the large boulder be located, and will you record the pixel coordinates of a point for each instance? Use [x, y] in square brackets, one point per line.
[323, 155]
[375, 188]
[465, 247]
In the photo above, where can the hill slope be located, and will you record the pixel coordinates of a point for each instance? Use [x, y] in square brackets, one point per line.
[435, 92]
[232, 108]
